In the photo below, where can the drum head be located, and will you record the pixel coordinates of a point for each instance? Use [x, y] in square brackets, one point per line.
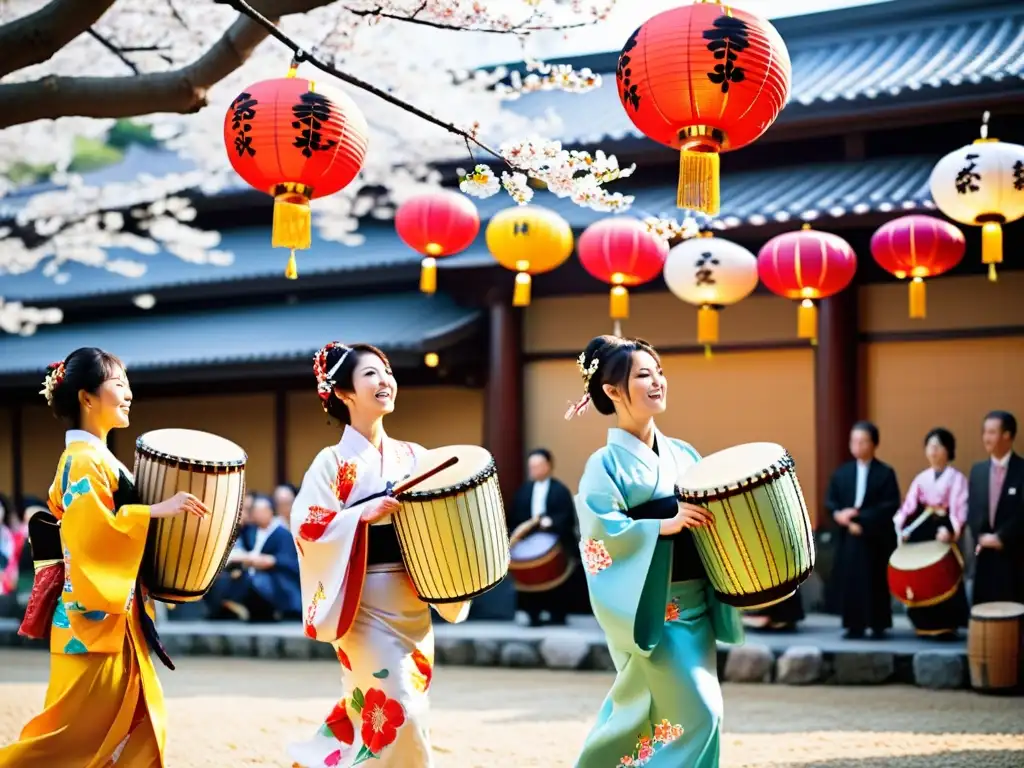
[728, 468]
[1000, 610]
[533, 546]
[472, 462]
[191, 446]
[921, 554]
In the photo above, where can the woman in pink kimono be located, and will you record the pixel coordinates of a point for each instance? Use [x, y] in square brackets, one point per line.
[356, 593]
[940, 492]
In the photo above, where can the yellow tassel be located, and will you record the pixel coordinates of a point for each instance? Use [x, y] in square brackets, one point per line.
[428, 275]
[992, 276]
[991, 246]
[292, 270]
[698, 182]
[292, 227]
[707, 351]
[619, 303]
[918, 300]
[521, 294]
[707, 325]
[807, 320]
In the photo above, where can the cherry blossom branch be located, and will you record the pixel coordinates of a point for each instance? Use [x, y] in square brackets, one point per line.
[34, 38]
[514, 29]
[119, 51]
[300, 55]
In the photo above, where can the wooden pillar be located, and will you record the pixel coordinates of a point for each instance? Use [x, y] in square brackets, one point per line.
[503, 418]
[17, 453]
[281, 436]
[836, 385]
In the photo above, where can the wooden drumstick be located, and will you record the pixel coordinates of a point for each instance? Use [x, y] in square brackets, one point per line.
[425, 476]
[527, 529]
[928, 512]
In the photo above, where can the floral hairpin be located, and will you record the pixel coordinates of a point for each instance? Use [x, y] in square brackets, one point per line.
[323, 385]
[587, 372]
[54, 378]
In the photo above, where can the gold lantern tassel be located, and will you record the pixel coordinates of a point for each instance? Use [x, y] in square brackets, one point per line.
[428, 275]
[619, 303]
[699, 188]
[707, 328]
[992, 247]
[918, 300]
[292, 223]
[521, 294]
[807, 321]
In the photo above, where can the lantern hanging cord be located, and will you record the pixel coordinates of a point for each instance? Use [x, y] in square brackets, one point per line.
[300, 55]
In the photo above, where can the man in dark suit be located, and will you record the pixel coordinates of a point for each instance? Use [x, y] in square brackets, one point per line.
[544, 504]
[995, 514]
[862, 497]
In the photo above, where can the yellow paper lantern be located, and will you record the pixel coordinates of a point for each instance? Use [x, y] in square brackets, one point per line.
[711, 273]
[982, 184]
[528, 240]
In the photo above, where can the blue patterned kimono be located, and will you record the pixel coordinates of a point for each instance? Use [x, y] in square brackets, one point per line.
[657, 610]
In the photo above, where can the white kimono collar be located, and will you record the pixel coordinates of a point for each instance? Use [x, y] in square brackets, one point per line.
[81, 436]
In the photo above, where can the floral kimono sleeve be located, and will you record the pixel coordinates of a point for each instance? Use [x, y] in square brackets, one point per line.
[627, 566]
[331, 540]
[103, 545]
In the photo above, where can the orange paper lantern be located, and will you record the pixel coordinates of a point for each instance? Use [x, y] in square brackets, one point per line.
[437, 223]
[704, 79]
[295, 140]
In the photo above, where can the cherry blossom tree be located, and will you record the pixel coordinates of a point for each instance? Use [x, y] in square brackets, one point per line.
[71, 69]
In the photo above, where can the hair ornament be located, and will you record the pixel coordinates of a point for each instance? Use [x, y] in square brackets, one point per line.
[582, 405]
[54, 378]
[324, 378]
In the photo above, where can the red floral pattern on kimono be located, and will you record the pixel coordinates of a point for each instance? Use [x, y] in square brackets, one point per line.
[310, 630]
[382, 718]
[344, 482]
[316, 523]
[647, 746]
[339, 724]
[423, 673]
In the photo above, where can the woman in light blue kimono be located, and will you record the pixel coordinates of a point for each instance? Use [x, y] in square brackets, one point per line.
[647, 585]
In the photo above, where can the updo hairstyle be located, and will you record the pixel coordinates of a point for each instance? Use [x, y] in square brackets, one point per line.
[614, 357]
[343, 378]
[85, 368]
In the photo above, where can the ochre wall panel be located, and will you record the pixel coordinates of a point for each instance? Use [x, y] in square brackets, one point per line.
[6, 451]
[915, 386]
[713, 403]
[430, 416]
[42, 445]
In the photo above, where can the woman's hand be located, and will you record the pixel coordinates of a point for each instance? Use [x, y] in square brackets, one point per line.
[688, 516]
[386, 506]
[179, 503]
[944, 535]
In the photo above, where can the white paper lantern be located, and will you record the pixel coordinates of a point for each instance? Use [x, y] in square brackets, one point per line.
[711, 273]
[982, 184]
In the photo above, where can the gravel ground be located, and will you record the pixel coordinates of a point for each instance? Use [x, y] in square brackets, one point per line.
[240, 712]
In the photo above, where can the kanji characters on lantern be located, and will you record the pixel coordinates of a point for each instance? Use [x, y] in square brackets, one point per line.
[437, 223]
[529, 240]
[296, 140]
[711, 273]
[807, 266]
[622, 252]
[918, 247]
[703, 78]
[982, 184]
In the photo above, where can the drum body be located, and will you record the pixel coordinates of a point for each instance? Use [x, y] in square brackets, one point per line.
[925, 573]
[184, 553]
[761, 547]
[451, 528]
[995, 646]
[539, 563]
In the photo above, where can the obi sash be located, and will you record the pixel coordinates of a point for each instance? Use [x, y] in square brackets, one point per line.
[686, 562]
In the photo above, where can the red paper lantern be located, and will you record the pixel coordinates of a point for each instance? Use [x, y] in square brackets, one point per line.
[807, 266]
[295, 140]
[438, 223]
[704, 79]
[917, 247]
[622, 252]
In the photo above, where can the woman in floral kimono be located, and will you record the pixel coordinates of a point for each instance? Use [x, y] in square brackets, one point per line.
[647, 585]
[940, 490]
[104, 703]
[356, 593]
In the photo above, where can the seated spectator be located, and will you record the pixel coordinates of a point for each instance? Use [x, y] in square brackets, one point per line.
[261, 581]
[284, 498]
[8, 555]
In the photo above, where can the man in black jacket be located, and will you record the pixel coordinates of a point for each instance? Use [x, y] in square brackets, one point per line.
[995, 514]
[862, 497]
[545, 504]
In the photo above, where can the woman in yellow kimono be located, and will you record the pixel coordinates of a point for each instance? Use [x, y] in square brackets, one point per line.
[104, 704]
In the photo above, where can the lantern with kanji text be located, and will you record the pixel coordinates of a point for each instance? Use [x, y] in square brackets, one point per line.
[704, 79]
[982, 184]
[437, 223]
[711, 273]
[296, 140]
[622, 252]
[529, 240]
[806, 266]
[918, 247]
